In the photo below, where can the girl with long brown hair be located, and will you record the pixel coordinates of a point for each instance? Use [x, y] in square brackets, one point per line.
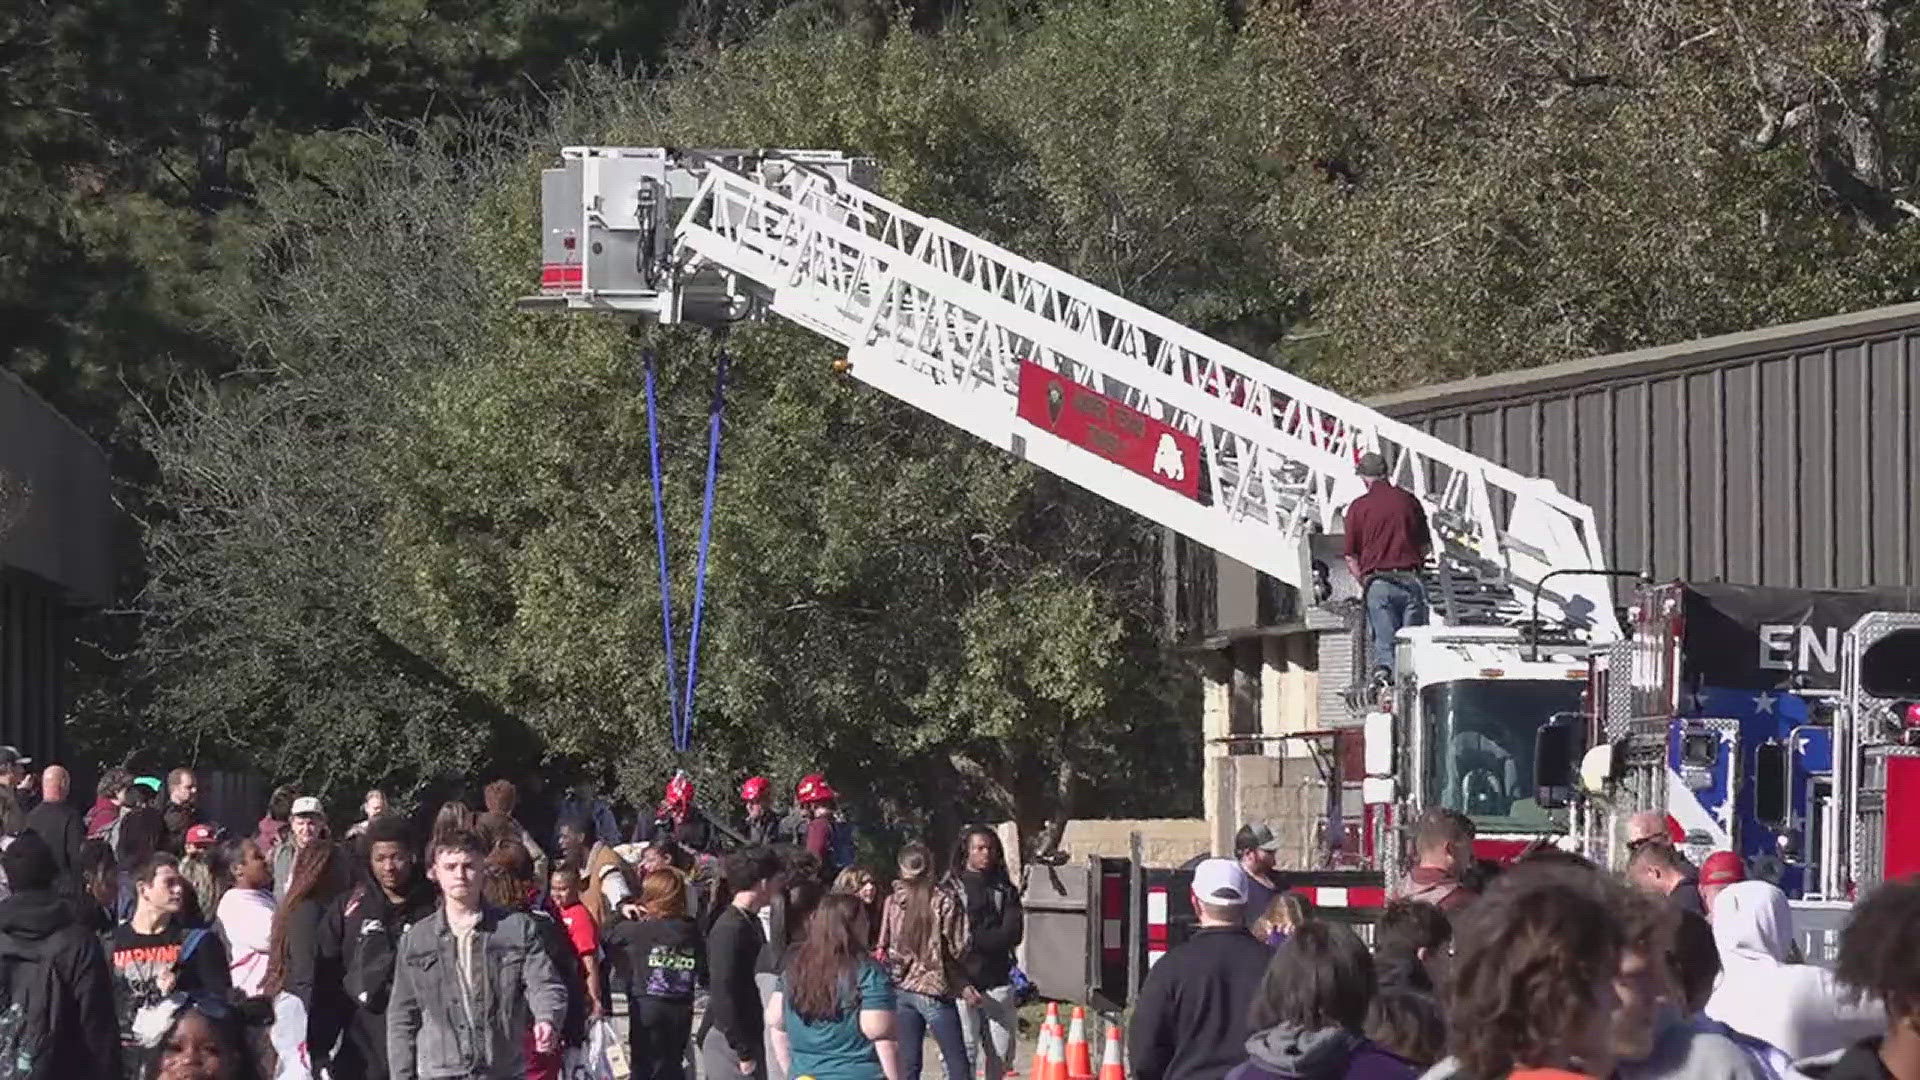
[923, 936]
[660, 949]
[833, 1015]
[294, 961]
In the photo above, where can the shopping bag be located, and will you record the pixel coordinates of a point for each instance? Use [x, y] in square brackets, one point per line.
[618, 1065]
[601, 1058]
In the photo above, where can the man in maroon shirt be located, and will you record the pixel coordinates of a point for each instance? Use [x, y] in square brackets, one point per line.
[1387, 543]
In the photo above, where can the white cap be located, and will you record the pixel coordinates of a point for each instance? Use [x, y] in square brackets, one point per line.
[307, 804]
[1220, 882]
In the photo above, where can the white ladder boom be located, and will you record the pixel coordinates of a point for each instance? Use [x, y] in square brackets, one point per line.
[1187, 431]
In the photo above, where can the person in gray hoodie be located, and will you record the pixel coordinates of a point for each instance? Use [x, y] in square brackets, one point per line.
[1311, 1008]
[469, 982]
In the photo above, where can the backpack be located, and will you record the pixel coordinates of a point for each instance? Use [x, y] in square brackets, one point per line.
[29, 999]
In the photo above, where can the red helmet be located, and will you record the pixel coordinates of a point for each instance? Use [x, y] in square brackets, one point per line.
[813, 789]
[680, 790]
[755, 787]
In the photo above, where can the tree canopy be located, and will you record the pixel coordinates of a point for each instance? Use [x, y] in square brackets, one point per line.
[395, 530]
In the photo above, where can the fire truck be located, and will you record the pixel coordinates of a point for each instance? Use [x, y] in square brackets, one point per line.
[1781, 724]
[1201, 438]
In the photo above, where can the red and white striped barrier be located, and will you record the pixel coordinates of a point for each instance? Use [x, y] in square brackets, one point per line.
[1156, 924]
[1339, 897]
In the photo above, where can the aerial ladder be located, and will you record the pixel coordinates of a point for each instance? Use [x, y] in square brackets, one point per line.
[1193, 434]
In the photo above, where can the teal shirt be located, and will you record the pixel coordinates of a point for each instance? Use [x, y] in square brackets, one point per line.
[835, 1049]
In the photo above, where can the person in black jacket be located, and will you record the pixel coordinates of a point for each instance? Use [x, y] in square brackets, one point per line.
[798, 893]
[296, 961]
[732, 1034]
[61, 826]
[1191, 1020]
[38, 927]
[658, 948]
[361, 934]
[995, 925]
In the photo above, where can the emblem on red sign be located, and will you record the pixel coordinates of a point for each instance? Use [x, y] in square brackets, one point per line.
[1097, 423]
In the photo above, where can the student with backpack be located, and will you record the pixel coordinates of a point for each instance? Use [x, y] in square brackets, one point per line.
[53, 969]
[155, 956]
[362, 931]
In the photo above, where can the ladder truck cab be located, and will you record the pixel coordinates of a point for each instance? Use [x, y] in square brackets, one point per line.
[1770, 722]
[1469, 708]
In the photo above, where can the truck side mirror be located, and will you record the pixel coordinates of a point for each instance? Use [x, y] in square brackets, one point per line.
[1556, 756]
[1771, 784]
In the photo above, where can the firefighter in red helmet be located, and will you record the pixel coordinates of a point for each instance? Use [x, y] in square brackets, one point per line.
[822, 830]
[677, 819]
[761, 825]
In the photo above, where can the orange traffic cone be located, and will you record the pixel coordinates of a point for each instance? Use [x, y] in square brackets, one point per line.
[1111, 1067]
[1079, 1054]
[1038, 1070]
[1057, 1055]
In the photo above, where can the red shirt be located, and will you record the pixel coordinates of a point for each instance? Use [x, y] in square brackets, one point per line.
[580, 929]
[1386, 530]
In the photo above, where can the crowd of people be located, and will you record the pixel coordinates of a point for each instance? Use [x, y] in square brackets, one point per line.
[1548, 969]
[140, 939]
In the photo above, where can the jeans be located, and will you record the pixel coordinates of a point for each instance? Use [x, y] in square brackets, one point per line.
[1394, 599]
[719, 1062]
[765, 982]
[914, 1014]
[990, 1027]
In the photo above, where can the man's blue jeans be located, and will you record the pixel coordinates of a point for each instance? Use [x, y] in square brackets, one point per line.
[913, 1015]
[1394, 599]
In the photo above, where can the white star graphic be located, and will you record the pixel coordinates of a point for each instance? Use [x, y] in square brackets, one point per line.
[1763, 703]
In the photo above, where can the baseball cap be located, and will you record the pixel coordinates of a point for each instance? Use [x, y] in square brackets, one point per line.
[1371, 465]
[151, 783]
[201, 835]
[307, 804]
[1220, 882]
[1722, 868]
[1254, 838]
[11, 755]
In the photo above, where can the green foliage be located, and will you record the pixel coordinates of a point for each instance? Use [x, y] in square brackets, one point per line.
[399, 531]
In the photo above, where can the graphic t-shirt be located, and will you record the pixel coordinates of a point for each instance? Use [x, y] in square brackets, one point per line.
[149, 967]
[836, 1049]
[665, 958]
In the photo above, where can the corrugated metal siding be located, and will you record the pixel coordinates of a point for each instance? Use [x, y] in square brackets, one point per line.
[1793, 467]
[32, 637]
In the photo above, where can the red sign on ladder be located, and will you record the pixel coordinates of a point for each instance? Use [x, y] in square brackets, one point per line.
[1123, 435]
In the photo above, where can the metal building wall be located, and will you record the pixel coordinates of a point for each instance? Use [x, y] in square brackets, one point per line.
[1784, 456]
[32, 631]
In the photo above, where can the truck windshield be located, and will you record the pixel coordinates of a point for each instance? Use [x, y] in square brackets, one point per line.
[1480, 748]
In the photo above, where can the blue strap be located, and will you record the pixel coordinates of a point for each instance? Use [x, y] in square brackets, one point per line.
[679, 709]
[660, 535]
[706, 538]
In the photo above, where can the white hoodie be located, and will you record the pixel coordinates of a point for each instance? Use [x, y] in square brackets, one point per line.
[1796, 1007]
